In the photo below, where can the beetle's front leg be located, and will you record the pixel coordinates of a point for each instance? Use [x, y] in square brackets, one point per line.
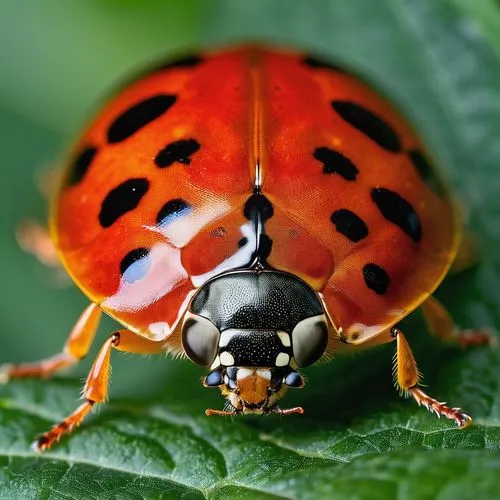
[96, 387]
[407, 379]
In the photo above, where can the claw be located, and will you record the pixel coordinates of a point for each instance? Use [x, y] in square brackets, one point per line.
[460, 417]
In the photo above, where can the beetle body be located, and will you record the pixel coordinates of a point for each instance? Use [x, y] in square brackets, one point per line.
[251, 209]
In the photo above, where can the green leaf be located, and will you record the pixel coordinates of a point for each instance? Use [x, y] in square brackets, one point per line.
[357, 438]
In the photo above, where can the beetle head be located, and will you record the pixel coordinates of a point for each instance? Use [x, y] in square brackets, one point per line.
[253, 390]
[252, 328]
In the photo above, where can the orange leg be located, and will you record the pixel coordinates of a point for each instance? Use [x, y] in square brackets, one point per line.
[76, 347]
[34, 238]
[407, 379]
[442, 326]
[95, 389]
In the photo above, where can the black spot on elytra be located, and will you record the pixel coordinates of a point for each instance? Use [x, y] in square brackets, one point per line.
[178, 151]
[80, 165]
[138, 116]
[369, 124]
[132, 257]
[376, 278]
[336, 163]
[426, 172]
[172, 209]
[398, 211]
[41, 442]
[258, 209]
[349, 224]
[242, 242]
[264, 247]
[258, 206]
[122, 199]
[182, 62]
[317, 63]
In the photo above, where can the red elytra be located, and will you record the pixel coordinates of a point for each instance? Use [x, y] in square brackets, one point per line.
[340, 167]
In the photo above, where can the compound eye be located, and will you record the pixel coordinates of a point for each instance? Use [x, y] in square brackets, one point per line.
[309, 340]
[213, 379]
[294, 379]
[200, 339]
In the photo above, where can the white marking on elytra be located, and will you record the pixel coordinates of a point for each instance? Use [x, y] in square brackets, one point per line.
[216, 363]
[226, 359]
[244, 373]
[163, 275]
[364, 332]
[285, 338]
[181, 230]
[239, 259]
[282, 359]
[158, 330]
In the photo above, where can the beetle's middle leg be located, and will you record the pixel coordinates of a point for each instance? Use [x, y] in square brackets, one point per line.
[76, 347]
[34, 238]
[407, 379]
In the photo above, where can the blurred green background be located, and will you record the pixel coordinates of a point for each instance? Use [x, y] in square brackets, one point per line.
[58, 59]
[437, 59]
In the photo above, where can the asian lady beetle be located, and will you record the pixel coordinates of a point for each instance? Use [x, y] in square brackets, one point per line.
[250, 209]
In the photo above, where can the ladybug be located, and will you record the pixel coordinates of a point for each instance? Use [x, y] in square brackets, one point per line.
[254, 210]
